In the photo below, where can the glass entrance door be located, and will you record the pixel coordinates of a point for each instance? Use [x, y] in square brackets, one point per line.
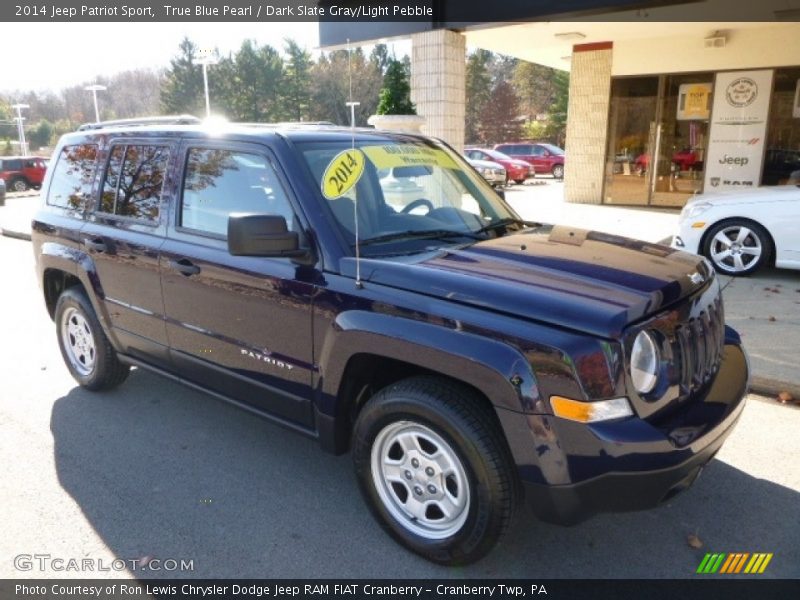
[682, 138]
[658, 136]
[632, 137]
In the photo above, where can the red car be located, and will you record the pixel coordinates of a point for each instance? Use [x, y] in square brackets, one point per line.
[684, 160]
[22, 172]
[545, 158]
[516, 170]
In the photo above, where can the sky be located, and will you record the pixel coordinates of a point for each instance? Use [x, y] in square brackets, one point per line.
[57, 55]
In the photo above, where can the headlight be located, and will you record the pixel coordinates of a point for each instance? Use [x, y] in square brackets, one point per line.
[485, 171]
[696, 209]
[644, 363]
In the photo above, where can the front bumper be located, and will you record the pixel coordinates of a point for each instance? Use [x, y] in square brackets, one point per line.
[495, 177]
[635, 464]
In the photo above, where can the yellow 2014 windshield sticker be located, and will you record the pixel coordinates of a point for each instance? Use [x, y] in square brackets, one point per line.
[342, 173]
[408, 155]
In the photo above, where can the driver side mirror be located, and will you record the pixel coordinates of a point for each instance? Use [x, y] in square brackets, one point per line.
[262, 235]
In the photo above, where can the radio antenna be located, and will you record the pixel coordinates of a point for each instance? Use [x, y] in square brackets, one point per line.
[352, 106]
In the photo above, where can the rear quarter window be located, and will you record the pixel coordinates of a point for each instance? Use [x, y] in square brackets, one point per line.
[133, 182]
[71, 183]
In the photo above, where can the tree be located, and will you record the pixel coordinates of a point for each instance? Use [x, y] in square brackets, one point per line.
[534, 86]
[380, 57]
[331, 77]
[478, 90]
[395, 96]
[297, 81]
[41, 135]
[557, 123]
[498, 119]
[182, 91]
[259, 74]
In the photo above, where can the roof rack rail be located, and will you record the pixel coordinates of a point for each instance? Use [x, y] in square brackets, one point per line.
[142, 121]
[290, 124]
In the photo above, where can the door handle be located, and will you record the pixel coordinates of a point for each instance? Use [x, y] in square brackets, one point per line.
[185, 266]
[98, 245]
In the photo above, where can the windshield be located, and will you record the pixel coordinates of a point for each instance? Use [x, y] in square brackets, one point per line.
[410, 195]
[498, 155]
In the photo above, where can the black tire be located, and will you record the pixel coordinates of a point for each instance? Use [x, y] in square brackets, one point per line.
[519, 181]
[453, 422]
[739, 255]
[558, 171]
[96, 369]
[18, 184]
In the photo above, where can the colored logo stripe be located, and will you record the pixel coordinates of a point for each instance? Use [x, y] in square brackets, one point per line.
[758, 563]
[734, 563]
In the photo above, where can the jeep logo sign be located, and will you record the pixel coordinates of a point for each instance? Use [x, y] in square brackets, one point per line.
[739, 161]
[738, 127]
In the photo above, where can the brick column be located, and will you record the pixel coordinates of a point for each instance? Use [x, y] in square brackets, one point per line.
[438, 78]
[587, 122]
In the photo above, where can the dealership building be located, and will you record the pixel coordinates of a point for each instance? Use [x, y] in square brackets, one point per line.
[664, 101]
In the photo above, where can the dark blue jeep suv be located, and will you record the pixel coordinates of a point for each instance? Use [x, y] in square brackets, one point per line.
[370, 290]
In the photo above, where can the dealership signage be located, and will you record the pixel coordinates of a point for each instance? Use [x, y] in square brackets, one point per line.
[694, 101]
[738, 128]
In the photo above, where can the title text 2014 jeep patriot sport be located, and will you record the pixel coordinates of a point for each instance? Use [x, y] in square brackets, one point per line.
[467, 359]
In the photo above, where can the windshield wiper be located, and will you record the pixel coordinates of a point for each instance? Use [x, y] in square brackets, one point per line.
[505, 223]
[422, 234]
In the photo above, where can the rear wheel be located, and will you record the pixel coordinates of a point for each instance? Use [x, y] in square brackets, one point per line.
[558, 171]
[434, 469]
[84, 346]
[18, 184]
[737, 247]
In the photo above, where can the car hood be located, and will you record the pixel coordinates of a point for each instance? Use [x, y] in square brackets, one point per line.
[583, 280]
[484, 164]
[761, 194]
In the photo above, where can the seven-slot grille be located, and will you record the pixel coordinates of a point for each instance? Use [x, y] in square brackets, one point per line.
[700, 342]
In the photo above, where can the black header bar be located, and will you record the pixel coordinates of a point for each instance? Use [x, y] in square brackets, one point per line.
[433, 13]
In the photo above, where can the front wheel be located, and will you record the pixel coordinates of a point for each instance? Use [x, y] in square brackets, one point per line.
[737, 247]
[519, 181]
[18, 185]
[434, 468]
[88, 354]
[558, 171]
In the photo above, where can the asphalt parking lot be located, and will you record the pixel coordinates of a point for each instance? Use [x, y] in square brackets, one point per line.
[155, 470]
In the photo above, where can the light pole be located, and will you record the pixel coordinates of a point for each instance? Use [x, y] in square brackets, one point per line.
[205, 58]
[352, 106]
[94, 89]
[23, 146]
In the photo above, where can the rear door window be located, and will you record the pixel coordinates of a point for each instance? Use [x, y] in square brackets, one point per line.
[71, 184]
[133, 182]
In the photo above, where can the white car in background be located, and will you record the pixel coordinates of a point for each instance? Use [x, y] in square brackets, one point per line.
[743, 230]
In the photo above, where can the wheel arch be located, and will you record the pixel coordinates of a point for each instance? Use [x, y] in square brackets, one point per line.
[369, 351]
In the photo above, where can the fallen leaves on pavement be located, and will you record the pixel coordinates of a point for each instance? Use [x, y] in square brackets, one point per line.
[694, 541]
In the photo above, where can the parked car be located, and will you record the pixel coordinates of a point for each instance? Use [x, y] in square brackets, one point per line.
[2, 192]
[466, 358]
[739, 232]
[22, 172]
[683, 160]
[545, 158]
[494, 173]
[517, 171]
